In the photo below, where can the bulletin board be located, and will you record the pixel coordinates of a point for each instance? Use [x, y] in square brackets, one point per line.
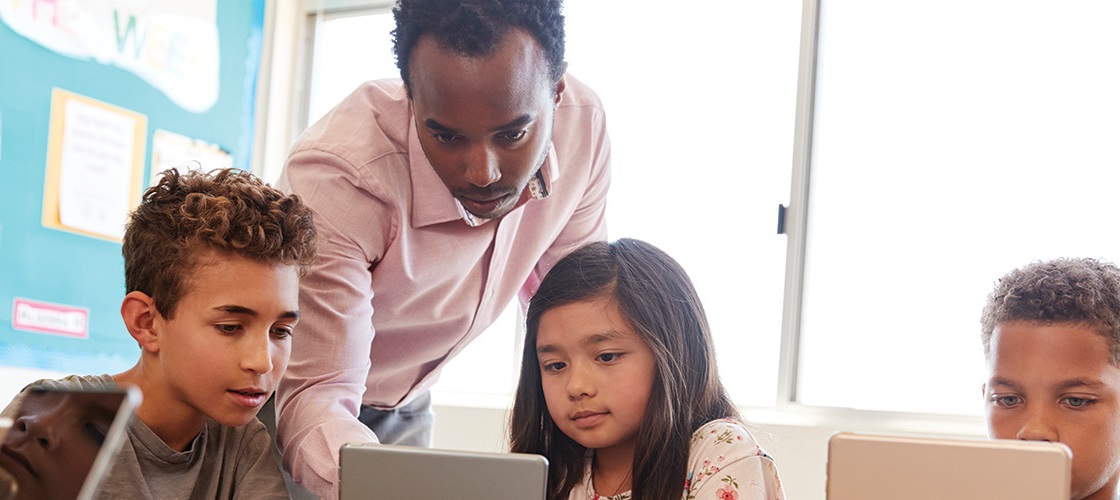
[172, 72]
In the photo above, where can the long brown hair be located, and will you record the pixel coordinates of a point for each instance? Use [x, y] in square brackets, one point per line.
[656, 296]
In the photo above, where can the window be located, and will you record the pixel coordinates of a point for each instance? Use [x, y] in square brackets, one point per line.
[953, 141]
[350, 48]
[700, 108]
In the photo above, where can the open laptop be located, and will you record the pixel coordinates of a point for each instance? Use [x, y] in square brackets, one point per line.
[878, 467]
[378, 471]
[87, 428]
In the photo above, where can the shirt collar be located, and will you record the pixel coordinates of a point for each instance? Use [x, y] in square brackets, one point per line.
[432, 203]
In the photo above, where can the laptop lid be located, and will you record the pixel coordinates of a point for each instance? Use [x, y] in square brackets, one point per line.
[878, 467]
[63, 442]
[377, 471]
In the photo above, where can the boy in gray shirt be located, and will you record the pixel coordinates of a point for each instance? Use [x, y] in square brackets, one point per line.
[212, 267]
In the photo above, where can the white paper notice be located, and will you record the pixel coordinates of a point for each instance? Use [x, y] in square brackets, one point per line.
[171, 150]
[96, 169]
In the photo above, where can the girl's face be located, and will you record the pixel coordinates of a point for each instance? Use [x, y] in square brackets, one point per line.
[596, 374]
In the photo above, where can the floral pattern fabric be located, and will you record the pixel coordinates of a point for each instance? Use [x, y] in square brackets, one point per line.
[724, 463]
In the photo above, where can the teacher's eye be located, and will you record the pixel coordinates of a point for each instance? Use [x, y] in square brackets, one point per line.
[515, 135]
[445, 138]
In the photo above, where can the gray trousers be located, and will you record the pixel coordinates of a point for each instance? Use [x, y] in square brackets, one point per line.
[409, 425]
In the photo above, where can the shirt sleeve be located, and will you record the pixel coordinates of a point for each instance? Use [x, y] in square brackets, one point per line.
[589, 222]
[69, 382]
[320, 396]
[725, 462]
[13, 406]
[258, 474]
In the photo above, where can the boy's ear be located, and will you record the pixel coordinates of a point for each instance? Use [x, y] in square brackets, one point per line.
[139, 313]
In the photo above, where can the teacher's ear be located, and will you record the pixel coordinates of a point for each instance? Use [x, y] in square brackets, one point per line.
[561, 85]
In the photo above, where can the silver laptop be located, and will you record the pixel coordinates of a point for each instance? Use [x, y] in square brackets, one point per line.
[877, 467]
[62, 443]
[377, 471]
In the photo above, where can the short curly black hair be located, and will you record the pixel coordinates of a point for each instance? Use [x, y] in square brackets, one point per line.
[1066, 290]
[231, 211]
[475, 27]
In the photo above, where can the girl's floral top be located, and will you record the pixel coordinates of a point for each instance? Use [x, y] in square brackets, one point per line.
[724, 463]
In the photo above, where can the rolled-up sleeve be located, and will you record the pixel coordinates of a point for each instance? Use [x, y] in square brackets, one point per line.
[320, 395]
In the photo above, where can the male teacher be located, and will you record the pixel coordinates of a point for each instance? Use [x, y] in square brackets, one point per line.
[438, 198]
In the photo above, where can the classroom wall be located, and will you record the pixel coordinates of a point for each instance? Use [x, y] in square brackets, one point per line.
[190, 70]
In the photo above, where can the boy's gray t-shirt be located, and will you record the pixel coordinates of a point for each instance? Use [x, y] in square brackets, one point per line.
[221, 462]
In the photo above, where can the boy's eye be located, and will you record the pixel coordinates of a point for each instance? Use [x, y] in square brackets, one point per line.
[1076, 402]
[227, 329]
[95, 433]
[1005, 401]
[281, 332]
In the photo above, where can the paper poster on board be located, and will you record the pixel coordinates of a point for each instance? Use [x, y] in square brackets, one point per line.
[171, 150]
[95, 161]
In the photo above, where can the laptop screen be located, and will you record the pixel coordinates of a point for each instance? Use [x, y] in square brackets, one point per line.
[377, 471]
[876, 467]
[61, 443]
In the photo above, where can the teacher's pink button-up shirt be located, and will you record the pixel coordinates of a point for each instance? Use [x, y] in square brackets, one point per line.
[403, 281]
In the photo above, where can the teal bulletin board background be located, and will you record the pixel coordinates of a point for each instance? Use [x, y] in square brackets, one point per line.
[48, 265]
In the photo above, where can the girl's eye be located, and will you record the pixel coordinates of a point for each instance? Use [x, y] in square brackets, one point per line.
[553, 367]
[1004, 401]
[608, 357]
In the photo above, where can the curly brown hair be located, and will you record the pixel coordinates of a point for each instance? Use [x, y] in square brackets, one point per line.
[187, 215]
[1066, 290]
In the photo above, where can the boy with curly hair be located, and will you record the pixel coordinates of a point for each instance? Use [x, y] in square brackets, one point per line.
[1051, 334]
[212, 267]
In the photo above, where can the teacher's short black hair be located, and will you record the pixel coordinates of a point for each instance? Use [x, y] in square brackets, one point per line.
[475, 27]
